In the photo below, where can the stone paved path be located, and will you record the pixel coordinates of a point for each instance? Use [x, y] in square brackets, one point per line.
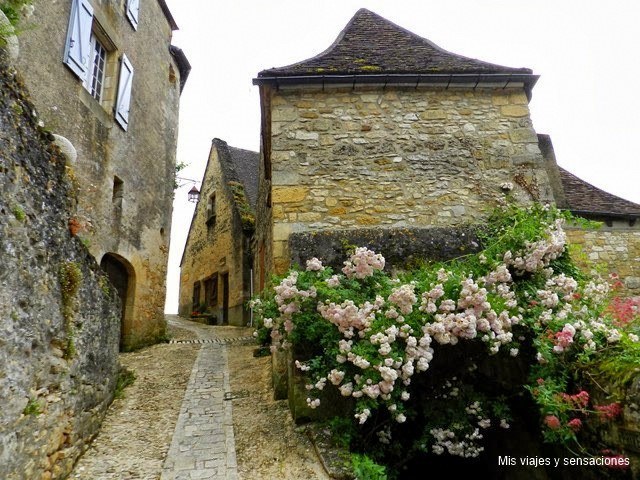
[203, 445]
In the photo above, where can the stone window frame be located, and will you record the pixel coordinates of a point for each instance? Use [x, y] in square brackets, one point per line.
[109, 75]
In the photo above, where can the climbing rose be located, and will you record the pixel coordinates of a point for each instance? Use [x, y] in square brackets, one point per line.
[552, 422]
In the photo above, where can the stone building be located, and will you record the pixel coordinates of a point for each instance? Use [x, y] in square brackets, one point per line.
[106, 80]
[216, 266]
[615, 244]
[386, 131]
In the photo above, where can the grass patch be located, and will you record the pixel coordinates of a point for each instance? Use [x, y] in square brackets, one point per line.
[125, 378]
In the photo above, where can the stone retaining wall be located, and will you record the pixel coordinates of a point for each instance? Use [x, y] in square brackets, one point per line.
[58, 347]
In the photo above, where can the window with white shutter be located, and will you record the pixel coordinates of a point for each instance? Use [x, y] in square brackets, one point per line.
[123, 102]
[78, 53]
[133, 10]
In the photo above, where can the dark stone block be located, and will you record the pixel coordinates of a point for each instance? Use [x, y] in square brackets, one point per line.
[401, 247]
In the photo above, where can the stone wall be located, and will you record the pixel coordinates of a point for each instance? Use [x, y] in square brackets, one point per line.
[58, 347]
[397, 158]
[614, 249]
[216, 246]
[124, 178]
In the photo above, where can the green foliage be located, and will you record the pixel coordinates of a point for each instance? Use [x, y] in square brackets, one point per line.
[179, 167]
[13, 9]
[366, 469]
[33, 407]
[70, 348]
[70, 278]
[105, 285]
[18, 212]
[557, 329]
[125, 378]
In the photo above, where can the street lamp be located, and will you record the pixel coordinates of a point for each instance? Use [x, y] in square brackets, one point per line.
[193, 195]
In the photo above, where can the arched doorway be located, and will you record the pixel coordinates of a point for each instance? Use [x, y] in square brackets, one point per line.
[121, 275]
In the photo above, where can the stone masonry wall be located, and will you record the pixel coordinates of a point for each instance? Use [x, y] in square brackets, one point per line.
[397, 158]
[134, 223]
[615, 248]
[215, 250]
[58, 351]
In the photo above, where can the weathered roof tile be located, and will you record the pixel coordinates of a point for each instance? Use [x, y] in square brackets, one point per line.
[584, 198]
[371, 44]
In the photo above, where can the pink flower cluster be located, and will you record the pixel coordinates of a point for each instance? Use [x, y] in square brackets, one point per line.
[314, 265]
[472, 314]
[363, 263]
[564, 338]
[350, 318]
[610, 411]
[538, 255]
[404, 297]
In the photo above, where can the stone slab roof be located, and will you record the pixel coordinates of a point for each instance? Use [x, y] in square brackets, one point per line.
[241, 166]
[371, 44]
[582, 197]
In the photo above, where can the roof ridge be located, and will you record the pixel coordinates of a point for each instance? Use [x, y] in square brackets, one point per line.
[371, 44]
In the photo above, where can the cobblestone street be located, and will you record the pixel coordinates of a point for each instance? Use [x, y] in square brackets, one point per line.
[176, 420]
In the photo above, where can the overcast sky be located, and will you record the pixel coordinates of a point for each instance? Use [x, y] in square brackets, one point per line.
[584, 51]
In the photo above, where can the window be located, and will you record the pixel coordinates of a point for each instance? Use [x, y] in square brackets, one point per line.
[211, 210]
[94, 81]
[118, 189]
[90, 55]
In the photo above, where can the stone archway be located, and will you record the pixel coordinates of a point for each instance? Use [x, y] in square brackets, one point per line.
[122, 276]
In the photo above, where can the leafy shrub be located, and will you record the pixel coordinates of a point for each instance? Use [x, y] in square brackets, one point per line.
[377, 339]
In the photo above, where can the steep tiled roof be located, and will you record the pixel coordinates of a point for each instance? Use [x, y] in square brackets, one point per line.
[241, 166]
[370, 44]
[582, 197]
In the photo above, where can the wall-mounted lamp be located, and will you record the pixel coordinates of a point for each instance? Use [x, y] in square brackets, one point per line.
[194, 194]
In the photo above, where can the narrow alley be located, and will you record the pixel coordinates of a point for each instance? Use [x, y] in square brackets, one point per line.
[201, 407]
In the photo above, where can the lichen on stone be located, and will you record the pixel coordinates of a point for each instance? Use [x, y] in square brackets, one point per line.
[247, 216]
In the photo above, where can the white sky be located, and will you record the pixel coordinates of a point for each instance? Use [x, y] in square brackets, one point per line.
[585, 51]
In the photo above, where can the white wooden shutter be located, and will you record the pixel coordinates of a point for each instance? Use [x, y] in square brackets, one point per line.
[133, 9]
[77, 54]
[123, 102]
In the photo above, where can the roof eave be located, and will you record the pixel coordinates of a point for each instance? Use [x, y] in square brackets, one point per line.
[460, 80]
[167, 14]
[612, 215]
[183, 64]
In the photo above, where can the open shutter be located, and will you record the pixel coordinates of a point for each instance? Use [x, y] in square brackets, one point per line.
[133, 9]
[77, 50]
[123, 102]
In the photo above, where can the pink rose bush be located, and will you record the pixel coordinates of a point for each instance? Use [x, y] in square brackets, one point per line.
[373, 338]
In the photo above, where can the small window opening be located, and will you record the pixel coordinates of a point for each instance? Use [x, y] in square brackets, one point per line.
[211, 211]
[118, 192]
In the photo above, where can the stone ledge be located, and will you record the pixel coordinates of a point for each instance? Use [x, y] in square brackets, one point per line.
[401, 247]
